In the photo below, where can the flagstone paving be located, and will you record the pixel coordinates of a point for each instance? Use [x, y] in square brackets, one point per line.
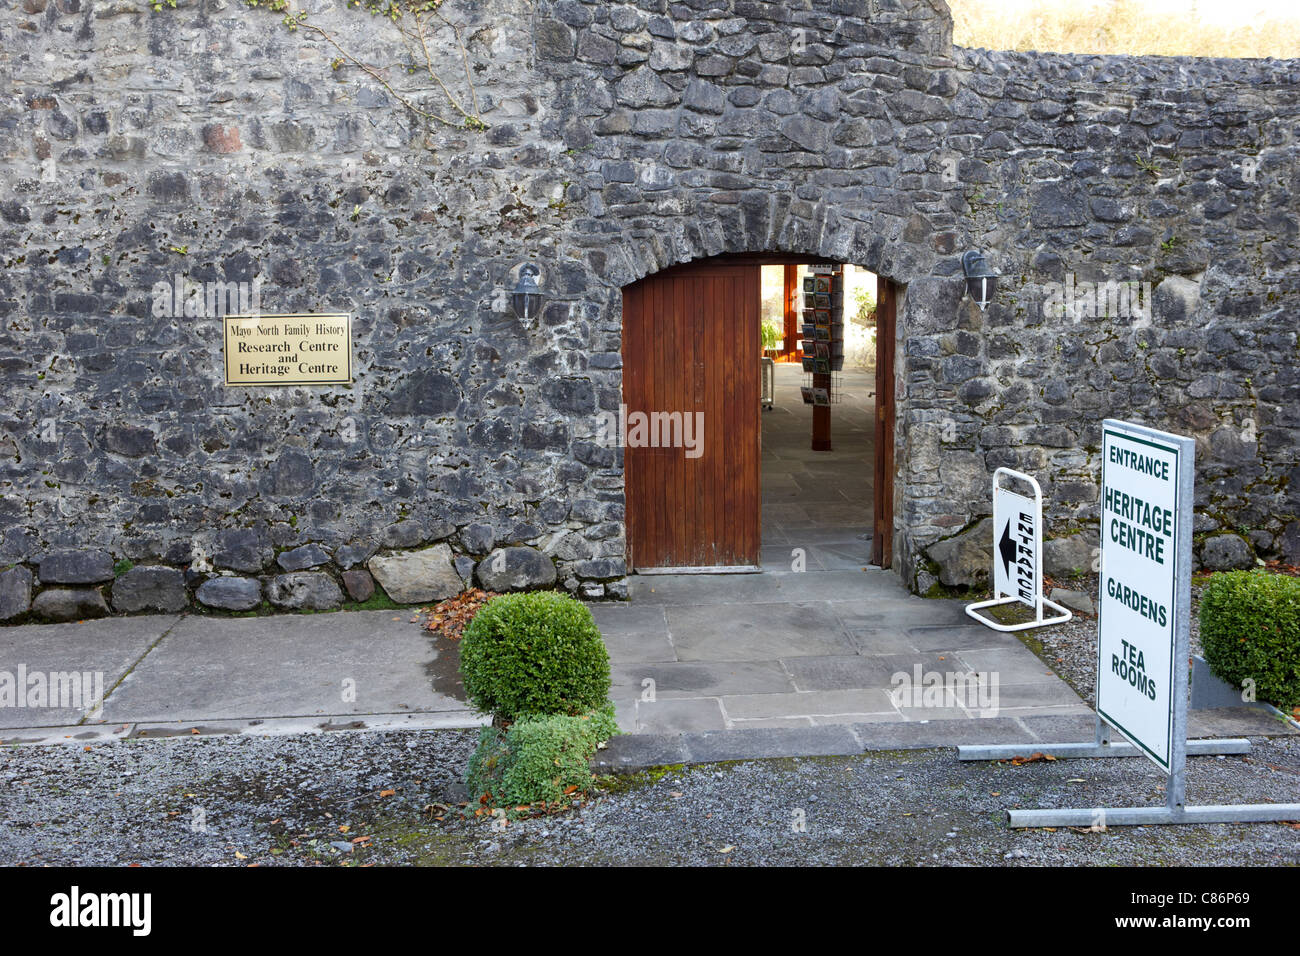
[788, 649]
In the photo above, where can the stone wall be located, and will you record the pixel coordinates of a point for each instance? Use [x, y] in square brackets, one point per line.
[212, 143]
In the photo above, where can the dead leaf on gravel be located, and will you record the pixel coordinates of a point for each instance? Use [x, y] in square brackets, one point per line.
[1032, 758]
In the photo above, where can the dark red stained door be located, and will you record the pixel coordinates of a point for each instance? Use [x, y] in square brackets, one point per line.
[691, 344]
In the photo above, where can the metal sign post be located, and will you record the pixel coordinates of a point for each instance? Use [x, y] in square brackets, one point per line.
[1018, 556]
[1142, 636]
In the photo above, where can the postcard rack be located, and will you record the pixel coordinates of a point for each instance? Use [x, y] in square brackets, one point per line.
[822, 325]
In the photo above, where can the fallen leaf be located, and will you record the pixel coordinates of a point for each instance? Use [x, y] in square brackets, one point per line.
[1032, 758]
[240, 856]
[387, 793]
[452, 616]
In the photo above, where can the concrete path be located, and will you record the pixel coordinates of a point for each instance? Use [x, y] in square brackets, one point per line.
[287, 673]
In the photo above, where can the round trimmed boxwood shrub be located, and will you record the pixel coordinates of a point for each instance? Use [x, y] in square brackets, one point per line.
[1250, 630]
[534, 653]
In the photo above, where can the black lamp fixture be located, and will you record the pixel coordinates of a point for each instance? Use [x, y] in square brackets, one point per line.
[981, 281]
[526, 300]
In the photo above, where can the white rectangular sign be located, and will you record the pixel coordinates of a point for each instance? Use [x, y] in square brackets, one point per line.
[1145, 587]
[1015, 553]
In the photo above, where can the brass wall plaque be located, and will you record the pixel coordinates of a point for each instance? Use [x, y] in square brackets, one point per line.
[294, 349]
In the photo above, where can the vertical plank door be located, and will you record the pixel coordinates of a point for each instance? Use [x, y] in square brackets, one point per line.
[691, 344]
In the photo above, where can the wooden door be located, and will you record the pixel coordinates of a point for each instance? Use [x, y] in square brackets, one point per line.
[882, 540]
[691, 345]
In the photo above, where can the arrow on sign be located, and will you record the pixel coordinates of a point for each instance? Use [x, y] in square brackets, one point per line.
[1007, 548]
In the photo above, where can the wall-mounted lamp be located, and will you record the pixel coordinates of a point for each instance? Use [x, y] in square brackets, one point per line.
[526, 300]
[981, 281]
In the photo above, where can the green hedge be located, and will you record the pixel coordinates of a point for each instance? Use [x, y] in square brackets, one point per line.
[534, 653]
[538, 758]
[1250, 630]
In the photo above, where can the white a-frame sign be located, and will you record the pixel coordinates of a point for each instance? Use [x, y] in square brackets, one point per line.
[1018, 555]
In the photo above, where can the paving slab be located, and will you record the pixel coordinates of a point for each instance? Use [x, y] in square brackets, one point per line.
[766, 722]
[109, 647]
[894, 608]
[960, 637]
[880, 640]
[866, 700]
[634, 632]
[756, 632]
[915, 735]
[765, 742]
[638, 751]
[679, 716]
[1046, 710]
[774, 587]
[1011, 664]
[76, 734]
[290, 665]
[1060, 728]
[1043, 693]
[704, 678]
[779, 557]
[842, 556]
[845, 672]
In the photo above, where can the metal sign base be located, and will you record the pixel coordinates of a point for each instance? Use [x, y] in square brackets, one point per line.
[1174, 811]
[1141, 816]
[1102, 746]
[1039, 621]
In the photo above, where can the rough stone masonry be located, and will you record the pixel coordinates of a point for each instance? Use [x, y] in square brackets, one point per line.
[1142, 213]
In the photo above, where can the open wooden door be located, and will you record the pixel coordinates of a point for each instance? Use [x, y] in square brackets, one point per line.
[691, 345]
[882, 540]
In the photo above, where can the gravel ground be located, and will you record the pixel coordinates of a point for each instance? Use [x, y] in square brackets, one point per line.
[242, 800]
